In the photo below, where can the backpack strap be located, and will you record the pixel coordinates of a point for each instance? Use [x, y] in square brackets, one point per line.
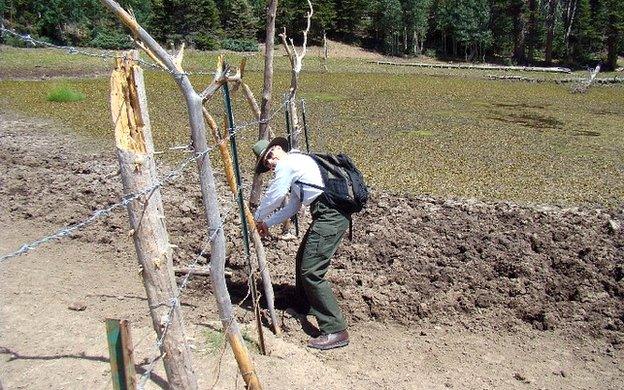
[350, 228]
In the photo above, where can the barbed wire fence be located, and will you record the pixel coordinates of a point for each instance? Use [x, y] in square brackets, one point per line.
[168, 178]
[126, 200]
[104, 212]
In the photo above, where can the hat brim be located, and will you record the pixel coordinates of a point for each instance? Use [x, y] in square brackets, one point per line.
[279, 141]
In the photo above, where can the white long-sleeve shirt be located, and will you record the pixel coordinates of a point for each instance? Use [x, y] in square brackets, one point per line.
[293, 167]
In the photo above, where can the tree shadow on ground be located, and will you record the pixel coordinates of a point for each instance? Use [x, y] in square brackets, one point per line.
[284, 302]
[13, 355]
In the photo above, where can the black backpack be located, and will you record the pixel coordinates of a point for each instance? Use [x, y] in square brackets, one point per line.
[344, 189]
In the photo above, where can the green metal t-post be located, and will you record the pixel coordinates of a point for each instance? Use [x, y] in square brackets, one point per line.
[305, 125]
[234, 150]
[120, 352]
[241, 209]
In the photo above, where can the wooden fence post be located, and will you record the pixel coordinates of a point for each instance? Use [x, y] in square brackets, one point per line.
[194, 103]
[135, 153]
[120, 351]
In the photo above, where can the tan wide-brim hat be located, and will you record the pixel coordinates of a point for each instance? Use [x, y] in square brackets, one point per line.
[262, 147]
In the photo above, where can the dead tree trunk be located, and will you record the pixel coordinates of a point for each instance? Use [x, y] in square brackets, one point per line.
[296, 62]
[325, 51]
[265, 105]
[584, 85]
[550, 31]
[209, 194]
[135, 152]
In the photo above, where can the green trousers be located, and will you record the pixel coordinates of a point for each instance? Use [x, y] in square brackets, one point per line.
[314, 292]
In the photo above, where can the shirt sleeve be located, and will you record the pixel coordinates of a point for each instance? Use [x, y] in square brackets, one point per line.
[275, 194]
[294, 203]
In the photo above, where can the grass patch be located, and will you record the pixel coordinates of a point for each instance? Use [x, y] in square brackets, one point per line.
[215, 341]
[64, 94]
[321, 97]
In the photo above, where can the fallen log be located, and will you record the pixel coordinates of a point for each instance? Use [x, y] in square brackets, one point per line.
[482, 67]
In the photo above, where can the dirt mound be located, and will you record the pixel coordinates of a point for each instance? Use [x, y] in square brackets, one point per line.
[411, 259]
[436, 260]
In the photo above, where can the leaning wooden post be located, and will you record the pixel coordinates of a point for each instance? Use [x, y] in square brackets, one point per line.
[135, 153]
[222, 141]
[194, 102]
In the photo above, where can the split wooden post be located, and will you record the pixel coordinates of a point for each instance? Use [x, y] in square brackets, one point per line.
[135, 153]
[194, 102]
[120, 350]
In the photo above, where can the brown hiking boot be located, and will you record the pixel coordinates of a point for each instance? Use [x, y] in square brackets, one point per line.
[329, 341]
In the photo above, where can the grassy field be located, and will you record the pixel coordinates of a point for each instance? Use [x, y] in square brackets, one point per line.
[421, 131]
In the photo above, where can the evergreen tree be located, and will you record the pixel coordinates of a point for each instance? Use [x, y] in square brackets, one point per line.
[352, 19]
[612, 23]
[501, 26]
[324, 18]
[204, 17]
[386, 27]
[239, 19]
[519, 12]
[466, 24]
[550, 20]
[416, 24]
[535, 28]
[576, 31]
[582, 34]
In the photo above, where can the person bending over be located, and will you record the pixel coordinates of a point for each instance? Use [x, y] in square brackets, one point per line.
[313, 292]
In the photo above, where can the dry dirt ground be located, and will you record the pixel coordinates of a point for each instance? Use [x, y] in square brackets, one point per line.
[439, 293]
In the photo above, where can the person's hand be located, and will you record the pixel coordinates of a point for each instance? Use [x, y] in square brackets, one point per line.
[263, 229]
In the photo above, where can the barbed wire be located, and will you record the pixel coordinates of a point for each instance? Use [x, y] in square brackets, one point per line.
[175, 302]
[66, 231]
[103, 55]
[126, 199]
[72, 49]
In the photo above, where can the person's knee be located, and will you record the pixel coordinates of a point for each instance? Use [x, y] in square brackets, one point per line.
[311, 277]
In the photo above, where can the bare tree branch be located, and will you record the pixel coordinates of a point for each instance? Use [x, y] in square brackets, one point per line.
[220, 78]
[296, 61]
